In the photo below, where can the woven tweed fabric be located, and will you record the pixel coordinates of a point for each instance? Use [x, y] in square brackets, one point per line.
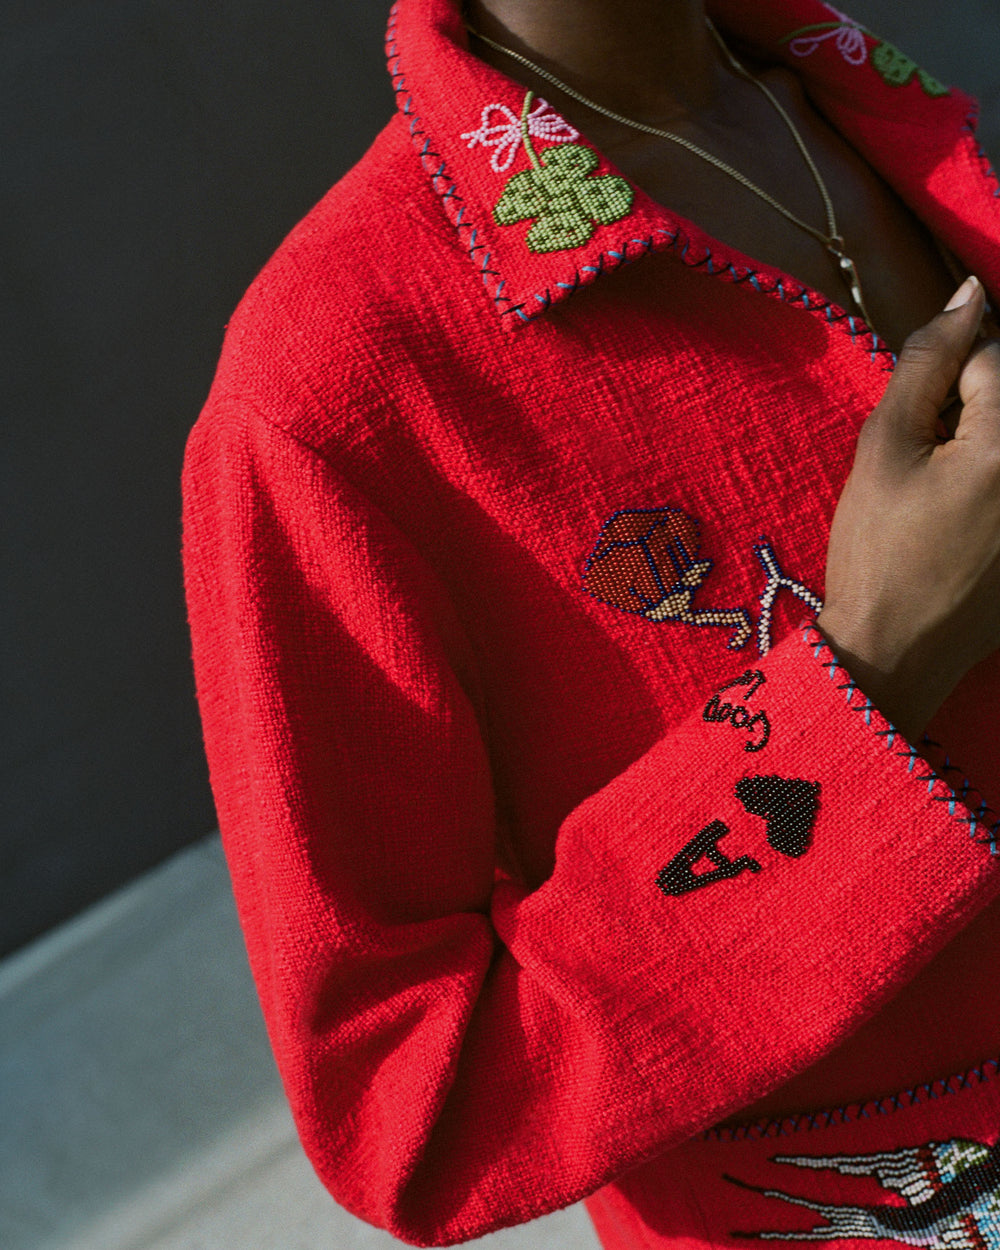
[917, 1168]
[558, 836]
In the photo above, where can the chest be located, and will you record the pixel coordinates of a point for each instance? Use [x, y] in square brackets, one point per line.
[628, 501]
[905, 277]
[634, 507]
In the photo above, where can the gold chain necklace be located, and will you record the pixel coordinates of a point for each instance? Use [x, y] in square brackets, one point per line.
[833, 241]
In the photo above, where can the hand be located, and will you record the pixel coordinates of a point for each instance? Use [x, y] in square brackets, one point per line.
[913, 562]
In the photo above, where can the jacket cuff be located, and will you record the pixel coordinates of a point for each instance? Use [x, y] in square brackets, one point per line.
[727, 912]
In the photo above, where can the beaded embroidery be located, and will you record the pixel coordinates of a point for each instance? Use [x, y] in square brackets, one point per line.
[897, 69]
[950, 1194]
[893, 66]
[849, 36]
[776, 580]
[558, 190]
[679, 876]
[787, 804]
[644, 562]
[543, 122]
[628, 250]
[739, 716]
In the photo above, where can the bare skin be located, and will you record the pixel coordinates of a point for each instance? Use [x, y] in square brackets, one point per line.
[913, 561]
[656, 63]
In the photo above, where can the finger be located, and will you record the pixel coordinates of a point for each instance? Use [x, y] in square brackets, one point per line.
[979, 388]
[929, 365]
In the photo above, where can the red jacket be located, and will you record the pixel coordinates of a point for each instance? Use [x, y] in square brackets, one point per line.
[556, 832]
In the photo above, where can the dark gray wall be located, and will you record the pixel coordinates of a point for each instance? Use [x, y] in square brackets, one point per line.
[155, 153]
[958, 42]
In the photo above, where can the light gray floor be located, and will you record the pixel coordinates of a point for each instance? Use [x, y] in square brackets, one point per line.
[139, 1104]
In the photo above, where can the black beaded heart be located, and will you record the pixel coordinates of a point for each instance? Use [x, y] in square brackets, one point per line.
[788, 805]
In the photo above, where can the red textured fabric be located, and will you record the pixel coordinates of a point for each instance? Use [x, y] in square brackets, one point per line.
[920, 1168]
[473, 537]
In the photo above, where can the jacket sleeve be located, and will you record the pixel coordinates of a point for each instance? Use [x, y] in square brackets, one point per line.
[461, 1052]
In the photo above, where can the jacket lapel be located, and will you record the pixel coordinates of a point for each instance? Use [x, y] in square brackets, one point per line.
[541, 212]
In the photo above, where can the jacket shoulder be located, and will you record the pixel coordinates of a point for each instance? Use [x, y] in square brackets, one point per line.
[344, 290]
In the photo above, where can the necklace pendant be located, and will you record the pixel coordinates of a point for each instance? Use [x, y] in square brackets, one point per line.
[850, 274]
[833, 242]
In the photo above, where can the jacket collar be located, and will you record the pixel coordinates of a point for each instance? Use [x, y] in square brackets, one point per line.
[534, 247]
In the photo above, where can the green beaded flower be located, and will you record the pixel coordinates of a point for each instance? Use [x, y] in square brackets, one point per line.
[897, 69]
[893, 66]
[559, 191]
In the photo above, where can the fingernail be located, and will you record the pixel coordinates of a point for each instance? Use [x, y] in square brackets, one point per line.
[964, 293]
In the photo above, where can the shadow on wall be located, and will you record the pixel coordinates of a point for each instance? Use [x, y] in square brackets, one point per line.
[156, 153]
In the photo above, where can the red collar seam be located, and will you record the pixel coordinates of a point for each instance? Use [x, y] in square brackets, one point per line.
[452, 202]
[454, 206]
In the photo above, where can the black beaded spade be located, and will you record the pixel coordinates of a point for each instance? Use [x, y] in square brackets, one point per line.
[788, 805]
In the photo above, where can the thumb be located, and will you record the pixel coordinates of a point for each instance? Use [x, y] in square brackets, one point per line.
[929, 365]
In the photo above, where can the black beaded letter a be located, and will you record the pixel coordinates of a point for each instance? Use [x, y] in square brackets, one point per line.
[679, 876]
[787, 804]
